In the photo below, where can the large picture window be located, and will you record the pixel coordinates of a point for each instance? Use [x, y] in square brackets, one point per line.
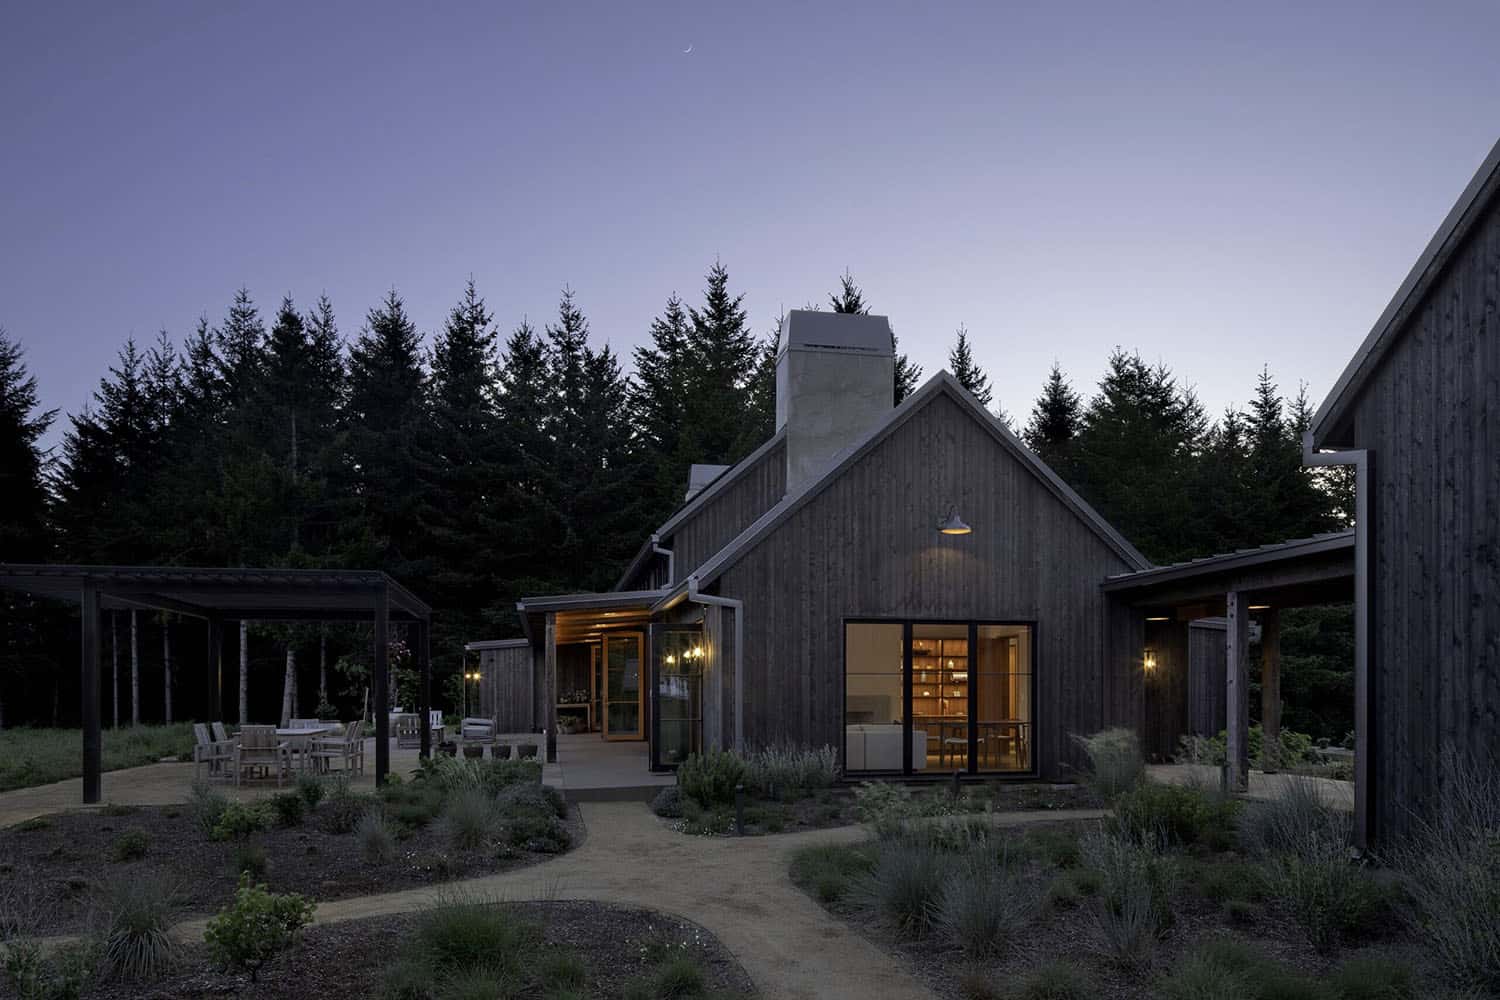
[923, 696]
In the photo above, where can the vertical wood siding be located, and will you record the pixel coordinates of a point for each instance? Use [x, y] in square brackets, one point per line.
[723, 517]
[507, 691]
[1431, 415]
[1166, 689]
[1207, 712]
[868, 547]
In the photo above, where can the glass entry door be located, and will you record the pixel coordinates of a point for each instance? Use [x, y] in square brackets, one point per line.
[676, 693]
[622, 686]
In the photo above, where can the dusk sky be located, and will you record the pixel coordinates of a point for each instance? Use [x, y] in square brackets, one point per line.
[1216, 186]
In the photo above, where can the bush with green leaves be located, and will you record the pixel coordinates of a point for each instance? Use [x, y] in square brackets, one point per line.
[256, 927]
[206, 805]
[790, 772]
[136, 942]
[1179, 814]
[1373, 977]
[250, 859]
[376, 838]
[711, 777]
[467, 931]
[1326, 893]
[1116, 762]
[668, 803]
[240, 819]
[471, 819]
[1136, 883]
[1054, 980]
[884, 805]
[1299, 815]
[131, 845]
[343, 807]
[1450, 870]
[36, 973]
[829, 871]
[1294, 749]
[310, 787]
[905, 883]
[453, 774]
[288, 808]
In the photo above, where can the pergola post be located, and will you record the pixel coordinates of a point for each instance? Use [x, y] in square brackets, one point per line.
[424, 684]
[1237, 693]
[1270, 690]
[92, 746]
[215, 668]
[380, 679]
[549, 684]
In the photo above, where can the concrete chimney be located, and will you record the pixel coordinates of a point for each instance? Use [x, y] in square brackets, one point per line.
[834, 383]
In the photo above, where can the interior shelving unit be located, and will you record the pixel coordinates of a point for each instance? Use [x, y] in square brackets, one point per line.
[940, 679]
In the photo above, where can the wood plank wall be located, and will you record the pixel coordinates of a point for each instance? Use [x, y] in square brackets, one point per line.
[868, 547]
[723, 517]
[1166, 689]
[507, 691]
[1431, 416]
[1207, 706]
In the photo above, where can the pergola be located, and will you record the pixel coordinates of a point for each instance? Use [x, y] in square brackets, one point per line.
[214, 595]
[1256, 582]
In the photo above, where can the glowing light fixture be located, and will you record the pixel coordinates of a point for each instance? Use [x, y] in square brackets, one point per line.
[952, 524]
[1157, 618]
[1149, 661]
[1260, 607]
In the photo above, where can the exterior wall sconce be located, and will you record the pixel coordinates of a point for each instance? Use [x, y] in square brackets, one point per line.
[952, 524]
[1260, 607]
[1149, 660]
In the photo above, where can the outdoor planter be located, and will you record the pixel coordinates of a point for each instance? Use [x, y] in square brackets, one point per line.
[448, 747]
[526, 750]
[500, 751]
[473, 752]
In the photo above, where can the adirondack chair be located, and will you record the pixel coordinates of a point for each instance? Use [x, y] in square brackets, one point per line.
[408, 730]
[348, 750]
[207, 751]
[221, 735]
[259, 749]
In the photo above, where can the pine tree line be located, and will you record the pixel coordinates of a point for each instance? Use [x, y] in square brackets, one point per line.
[478, 466]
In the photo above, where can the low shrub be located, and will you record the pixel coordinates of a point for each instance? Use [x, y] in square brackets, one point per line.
[678, 978]
[885, 806]
[464, 932]
[411, 807]
[1134, 909]
[471, 819]
[1116, 763]
[1054, 980]
[117, 809]
[1325, 892]
[343, 807]
[206, 805]
[562, 970]
[136, 943]
[131, 845]
[532, 798]
[1373, 977]
[288, 808]
[706, 821]
[249, 859]
[453, 774]
[668, 803]
[982, 904]
[711, 777]
[790, 772]
[1299, 816]
[35, 973]
[240, 819]
[1057, 846]
[828, 872]
[310, 787]
[1450, 871]
[1294, 748]
[256, 927]
[905, 883]
[377, 841]
[1178, 814]
[1197, 976]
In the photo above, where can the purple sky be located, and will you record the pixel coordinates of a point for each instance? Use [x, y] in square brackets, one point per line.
[1216, 187]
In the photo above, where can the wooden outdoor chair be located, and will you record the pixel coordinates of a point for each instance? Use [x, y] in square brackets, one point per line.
[408, 730]
[474, 730]
[348, 750]
[215, 754]
[258, 749]
[221, 735]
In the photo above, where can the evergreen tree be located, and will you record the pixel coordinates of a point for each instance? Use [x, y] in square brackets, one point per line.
[908, 374]
[961, 363]
[1288, 500]
[1055, 421]
[760, 394]
[531, 482]
[24, 527]
[849, 298]
[659, 405]
[721, 360]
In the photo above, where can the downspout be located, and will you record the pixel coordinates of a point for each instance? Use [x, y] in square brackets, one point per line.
[1362, 461]
[671, 562]
[738, 606]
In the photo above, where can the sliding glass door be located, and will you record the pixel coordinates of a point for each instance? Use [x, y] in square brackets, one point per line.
[677, 657]
[924, 696]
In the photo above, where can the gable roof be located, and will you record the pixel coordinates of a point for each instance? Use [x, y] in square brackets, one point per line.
[1388, 328]
[717, 485]
[941, 384]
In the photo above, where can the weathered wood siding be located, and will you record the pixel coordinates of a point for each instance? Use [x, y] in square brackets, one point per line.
[507, 692]
[1207, 705]
[1166, 688]
[1430, 416]
[724, 516]
[868, 547]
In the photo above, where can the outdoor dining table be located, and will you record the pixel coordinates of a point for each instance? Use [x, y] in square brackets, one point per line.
[297, 740]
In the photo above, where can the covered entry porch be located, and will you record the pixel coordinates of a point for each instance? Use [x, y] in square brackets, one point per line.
[1190, 659]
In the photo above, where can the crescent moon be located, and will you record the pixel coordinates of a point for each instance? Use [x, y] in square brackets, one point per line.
[688, 50]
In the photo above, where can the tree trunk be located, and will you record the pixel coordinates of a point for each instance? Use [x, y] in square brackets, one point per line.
[244, 673]
[135, 672]
[322, 666]
[114, 664]
[166, 667]
[289, 687]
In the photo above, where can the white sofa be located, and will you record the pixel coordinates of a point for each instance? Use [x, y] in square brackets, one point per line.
[877, 747]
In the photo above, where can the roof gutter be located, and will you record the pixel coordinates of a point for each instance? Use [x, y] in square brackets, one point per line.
[671, 560]
[1364, 715]
[738, 606]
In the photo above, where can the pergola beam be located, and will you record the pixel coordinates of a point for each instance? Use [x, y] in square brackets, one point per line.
[1237, 690]
[380, 679]
[1270, 689]
[93, 755]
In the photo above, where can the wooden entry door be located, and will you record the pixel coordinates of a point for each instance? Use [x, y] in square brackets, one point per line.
[623, 687]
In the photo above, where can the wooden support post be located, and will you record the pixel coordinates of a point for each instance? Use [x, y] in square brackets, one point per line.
[93, 763]
[215, 668]
[1270, 690]
[549, 684]
[380, 680]
[1236, 690]
[424, 683]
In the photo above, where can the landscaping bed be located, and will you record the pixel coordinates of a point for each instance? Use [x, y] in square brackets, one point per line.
[1181, 894]
[56, 869]
[31, 757]
[553, 949]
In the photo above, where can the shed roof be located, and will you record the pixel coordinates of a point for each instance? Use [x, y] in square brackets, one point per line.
[1295, 548]
[1476, 197]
